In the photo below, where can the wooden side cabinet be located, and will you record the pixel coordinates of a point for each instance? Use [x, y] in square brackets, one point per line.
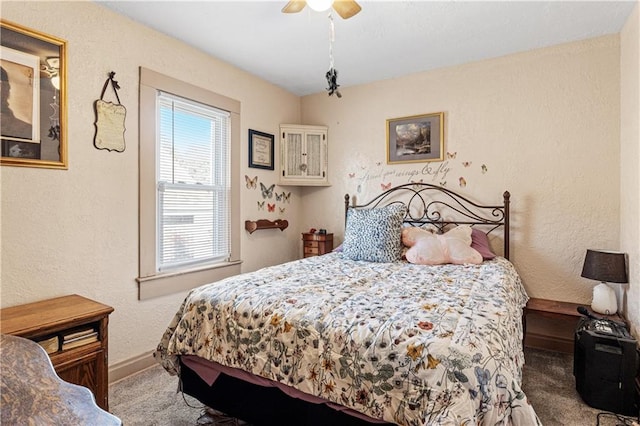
[553, 324]
[74, 332]
[317, 244]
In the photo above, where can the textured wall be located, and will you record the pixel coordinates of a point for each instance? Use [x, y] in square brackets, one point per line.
[630, 160]
[544, 123]
[76, 231]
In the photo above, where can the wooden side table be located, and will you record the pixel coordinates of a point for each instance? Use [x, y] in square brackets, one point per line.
[559, 320]
[74, 332]
[317, 244]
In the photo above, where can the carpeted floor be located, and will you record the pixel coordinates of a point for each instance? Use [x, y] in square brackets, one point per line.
[149, 398]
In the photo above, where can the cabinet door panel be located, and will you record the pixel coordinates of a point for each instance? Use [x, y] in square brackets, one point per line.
[84, 372]
[314, 155]
[294, 155]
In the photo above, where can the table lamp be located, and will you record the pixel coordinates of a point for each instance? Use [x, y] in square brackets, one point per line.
[606, 267]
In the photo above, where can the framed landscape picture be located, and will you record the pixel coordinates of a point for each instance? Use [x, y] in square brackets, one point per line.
[414, 139]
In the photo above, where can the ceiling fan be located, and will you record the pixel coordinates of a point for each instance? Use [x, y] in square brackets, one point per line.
[345, 8]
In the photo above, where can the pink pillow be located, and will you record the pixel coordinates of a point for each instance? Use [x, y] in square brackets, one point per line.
[480, 242]
[432, 249]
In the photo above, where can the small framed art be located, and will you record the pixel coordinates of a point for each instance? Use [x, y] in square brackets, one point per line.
[415, 139]
[261, 150]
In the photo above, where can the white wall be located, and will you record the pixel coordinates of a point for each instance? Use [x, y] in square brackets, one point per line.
[76, 231]
[630, 159]
[545, 123]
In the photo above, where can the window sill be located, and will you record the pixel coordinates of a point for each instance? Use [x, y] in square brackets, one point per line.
[166, 283]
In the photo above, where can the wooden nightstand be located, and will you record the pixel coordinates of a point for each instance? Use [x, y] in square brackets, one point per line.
[555, 324]
[317, 244]
[82, 361]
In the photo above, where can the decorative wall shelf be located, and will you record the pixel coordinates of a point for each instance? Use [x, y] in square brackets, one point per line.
[254, 225]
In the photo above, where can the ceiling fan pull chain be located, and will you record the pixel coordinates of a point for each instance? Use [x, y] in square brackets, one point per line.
[332, 38]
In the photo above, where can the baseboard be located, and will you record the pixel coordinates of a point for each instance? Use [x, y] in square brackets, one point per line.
[130, 366]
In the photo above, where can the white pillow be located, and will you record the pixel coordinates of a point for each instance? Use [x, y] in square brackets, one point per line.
[453, 246]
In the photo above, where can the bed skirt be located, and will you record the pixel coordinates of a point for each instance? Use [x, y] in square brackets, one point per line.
[263, 403]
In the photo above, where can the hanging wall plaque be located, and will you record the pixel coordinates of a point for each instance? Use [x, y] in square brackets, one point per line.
[110, 120]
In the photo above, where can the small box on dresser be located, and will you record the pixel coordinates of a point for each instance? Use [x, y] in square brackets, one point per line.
[316, 244]
[74, 332]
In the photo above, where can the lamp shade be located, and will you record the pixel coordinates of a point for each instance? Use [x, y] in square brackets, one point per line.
[605, 266]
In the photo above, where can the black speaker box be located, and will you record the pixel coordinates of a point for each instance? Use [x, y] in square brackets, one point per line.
[605, 365]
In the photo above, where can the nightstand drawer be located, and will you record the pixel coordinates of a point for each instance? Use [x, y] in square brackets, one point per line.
[311, 244]
[311, 250]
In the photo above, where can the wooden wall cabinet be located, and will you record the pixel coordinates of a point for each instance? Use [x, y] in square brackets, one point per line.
[317, 244]
[303, 155]
[84, 361]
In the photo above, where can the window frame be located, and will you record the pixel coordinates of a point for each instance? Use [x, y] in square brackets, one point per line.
[152, 283]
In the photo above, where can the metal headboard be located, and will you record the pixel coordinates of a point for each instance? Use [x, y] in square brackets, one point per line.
[441, 207]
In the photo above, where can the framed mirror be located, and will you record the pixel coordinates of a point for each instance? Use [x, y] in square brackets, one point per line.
[33, 118]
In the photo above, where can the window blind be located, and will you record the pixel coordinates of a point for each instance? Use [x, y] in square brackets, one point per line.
[193, 181]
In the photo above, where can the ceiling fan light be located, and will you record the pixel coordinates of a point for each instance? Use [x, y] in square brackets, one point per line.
[320, 5]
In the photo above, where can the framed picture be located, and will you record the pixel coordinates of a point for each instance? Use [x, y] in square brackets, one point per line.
[21, 102]
[417, 138]
[33, 115]
[260, 150]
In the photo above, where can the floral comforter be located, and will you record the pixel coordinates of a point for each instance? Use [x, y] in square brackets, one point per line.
[410, 344]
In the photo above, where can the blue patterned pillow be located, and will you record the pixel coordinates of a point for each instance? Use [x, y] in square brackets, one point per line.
[374, 235]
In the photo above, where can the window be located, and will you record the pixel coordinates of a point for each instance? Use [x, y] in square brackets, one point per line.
[193, 183]
[189, 191]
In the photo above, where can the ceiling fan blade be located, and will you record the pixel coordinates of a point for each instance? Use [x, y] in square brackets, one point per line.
[346, 8]
[294, 6]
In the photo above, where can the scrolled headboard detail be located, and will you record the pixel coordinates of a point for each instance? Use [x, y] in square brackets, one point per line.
[441, 207]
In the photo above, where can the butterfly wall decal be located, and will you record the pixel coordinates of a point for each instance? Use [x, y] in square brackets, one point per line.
[416, 183]
[385, 186]
[452, 155]
[260, 205]
[463, 182]
[271, 207]
[251, 183]
[466, 163]
[282, 209]
[352, 175]
[267, 192]
[484, 169]
[284, 197]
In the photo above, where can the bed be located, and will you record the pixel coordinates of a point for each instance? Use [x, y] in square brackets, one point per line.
[344, 340]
